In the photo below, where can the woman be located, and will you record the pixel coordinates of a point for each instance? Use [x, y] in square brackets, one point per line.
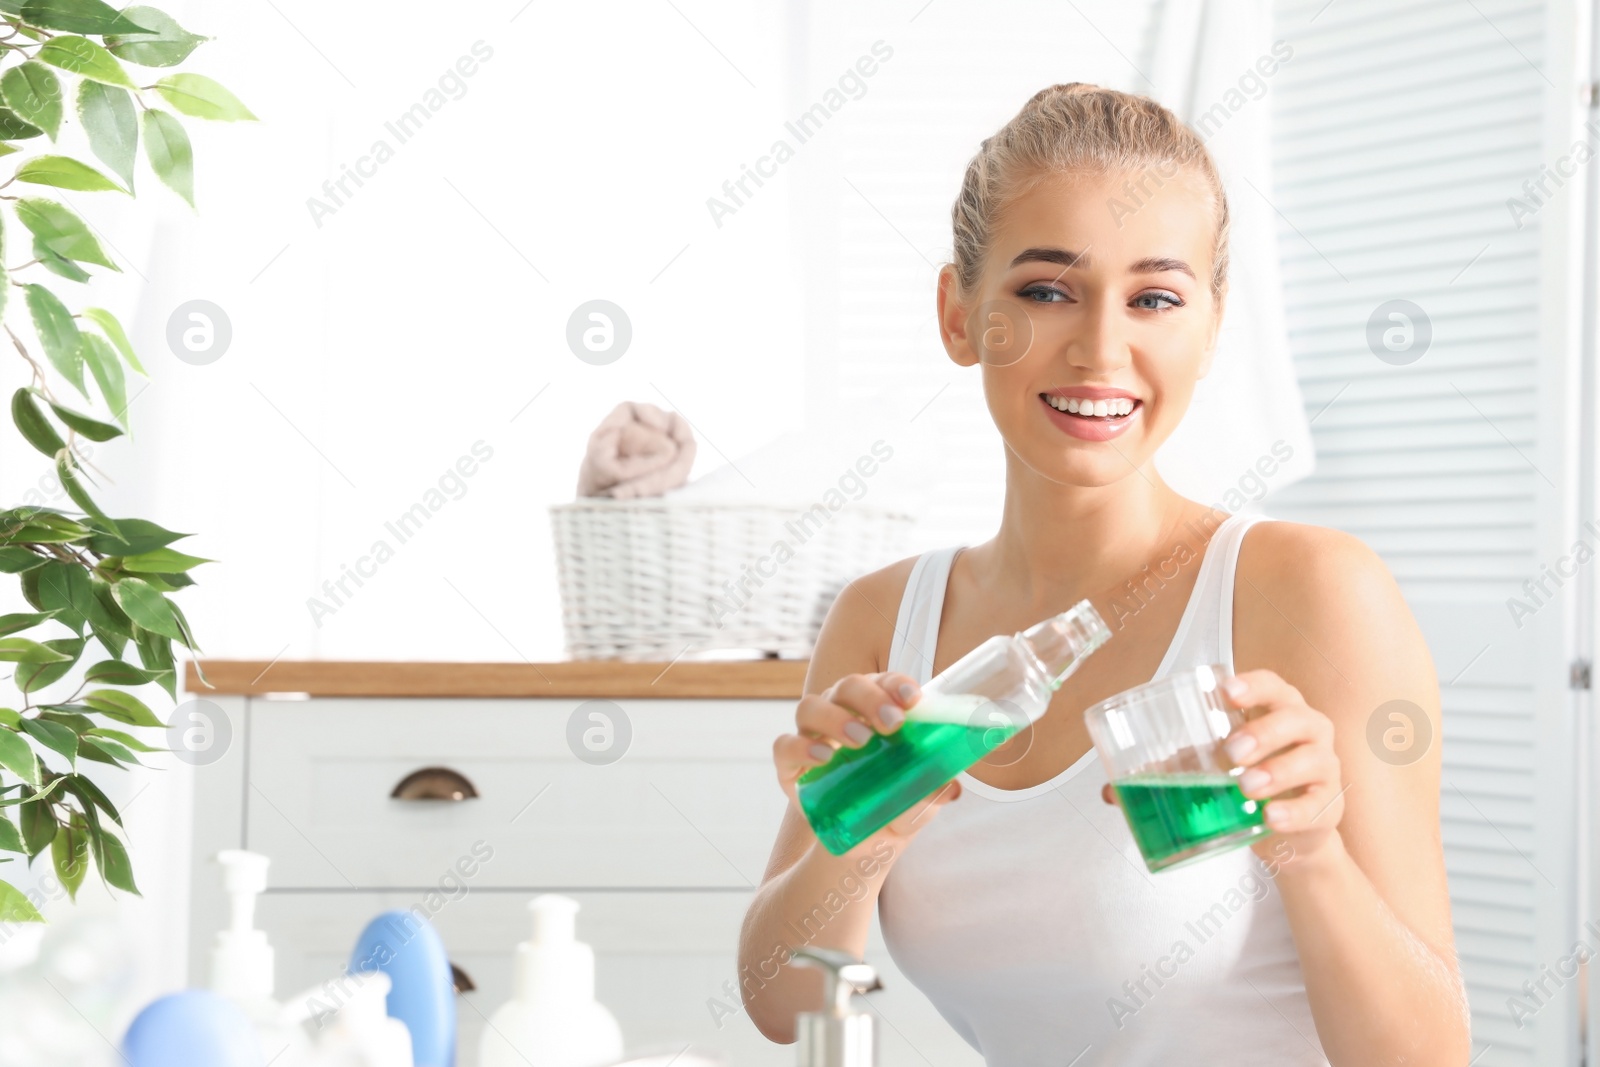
[1087, 288]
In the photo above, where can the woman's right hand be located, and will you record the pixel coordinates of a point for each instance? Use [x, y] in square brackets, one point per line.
[846, 714]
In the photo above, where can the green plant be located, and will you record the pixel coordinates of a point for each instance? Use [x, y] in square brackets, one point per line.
[102, 583]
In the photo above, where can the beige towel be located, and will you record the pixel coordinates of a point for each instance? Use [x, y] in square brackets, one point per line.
[637, 450]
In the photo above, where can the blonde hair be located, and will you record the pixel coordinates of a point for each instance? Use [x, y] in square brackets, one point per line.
[1078, 127]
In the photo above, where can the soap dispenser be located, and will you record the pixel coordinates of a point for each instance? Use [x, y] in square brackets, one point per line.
[838, 1035]
[242, 960]
[361, 1032]
[552, 1019]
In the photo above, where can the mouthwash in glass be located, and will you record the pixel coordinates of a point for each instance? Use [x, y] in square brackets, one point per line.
[975, 705]
[1171, 814]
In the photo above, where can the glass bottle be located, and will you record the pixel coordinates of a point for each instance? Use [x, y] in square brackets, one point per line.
[975, 705]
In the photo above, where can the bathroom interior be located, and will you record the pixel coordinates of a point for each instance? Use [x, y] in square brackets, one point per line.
[484, 406]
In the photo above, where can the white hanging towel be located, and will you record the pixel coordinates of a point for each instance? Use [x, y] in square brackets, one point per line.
[1246, 433]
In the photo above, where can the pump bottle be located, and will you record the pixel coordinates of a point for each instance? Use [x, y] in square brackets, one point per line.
[552, 1019]
[242, 961]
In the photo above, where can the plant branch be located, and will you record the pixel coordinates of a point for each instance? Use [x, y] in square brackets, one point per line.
[38, 372]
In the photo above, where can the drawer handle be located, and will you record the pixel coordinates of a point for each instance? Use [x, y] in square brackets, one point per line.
[435, 783]
[461, 980]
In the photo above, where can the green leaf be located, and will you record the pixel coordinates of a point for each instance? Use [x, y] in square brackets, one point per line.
[17, 757]
[104, 750]
[167, 147]
[155, 652]
[64, 172]
[169, 583]
[62, 231]
[69, 854]
[37, 821]
[123, 707]
[71, 589]
[33, 92]
[167, 45]
[67, 472]
[199, 96]
[53, 736]
[126, 739]
[32, 424]
[14, 128]
[137, 536]
[147, 607]
[56, 264]
[116, 672]
[15, 907]
[90, 794]
[113, 329]
[15, 560]
[112, 126]
[93, 429]
[114, 865]
[79, 16]
[83, 57]
[22, 650]
[10, 624]
[10, 839]
[58, 334]
[30, 588]
[10, 718]
[69, 715]
[34, 676]
[162, 561]
[107, 371]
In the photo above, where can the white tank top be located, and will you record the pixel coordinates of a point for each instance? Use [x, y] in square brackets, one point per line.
[1029, 919]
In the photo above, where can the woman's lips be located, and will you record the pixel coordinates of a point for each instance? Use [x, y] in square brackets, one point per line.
[1091, 429]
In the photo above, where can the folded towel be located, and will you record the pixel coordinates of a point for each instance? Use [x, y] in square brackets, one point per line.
[637, 450]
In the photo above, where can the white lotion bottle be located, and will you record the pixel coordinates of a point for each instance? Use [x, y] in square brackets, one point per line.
[358, 1032]
[242, 961]
[552, 1019]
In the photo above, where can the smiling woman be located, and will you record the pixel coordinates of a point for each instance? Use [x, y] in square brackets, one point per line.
[1089, 279]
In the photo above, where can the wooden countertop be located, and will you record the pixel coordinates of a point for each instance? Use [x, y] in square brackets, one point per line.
[731, 679]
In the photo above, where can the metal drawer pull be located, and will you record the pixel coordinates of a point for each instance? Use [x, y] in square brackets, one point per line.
[461, 980]
[435, 783]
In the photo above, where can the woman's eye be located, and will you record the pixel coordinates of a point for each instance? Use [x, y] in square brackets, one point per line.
[1042, 294]
[1171, 300]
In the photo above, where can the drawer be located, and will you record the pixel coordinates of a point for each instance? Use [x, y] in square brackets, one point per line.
[663, 960]
[690, 802]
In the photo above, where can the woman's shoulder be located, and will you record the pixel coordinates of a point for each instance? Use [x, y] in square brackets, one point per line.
[859, 627]
[1310, 589]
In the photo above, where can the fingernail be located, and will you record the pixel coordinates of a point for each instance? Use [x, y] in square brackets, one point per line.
[1234, 688]
[857, 732]
[891, 715]
[1239, 746]
[907, 691]
[1253, 779]
[820, 751]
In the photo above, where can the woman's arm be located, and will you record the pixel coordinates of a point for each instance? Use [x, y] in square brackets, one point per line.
[808, 896]
[1362, 878]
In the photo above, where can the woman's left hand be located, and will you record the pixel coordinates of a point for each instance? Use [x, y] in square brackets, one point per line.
[1287, 748]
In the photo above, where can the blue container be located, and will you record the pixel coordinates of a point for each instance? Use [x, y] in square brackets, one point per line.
[408, 949]
[193, 1027]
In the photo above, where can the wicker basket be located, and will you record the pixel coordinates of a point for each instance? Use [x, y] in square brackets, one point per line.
[652, 579]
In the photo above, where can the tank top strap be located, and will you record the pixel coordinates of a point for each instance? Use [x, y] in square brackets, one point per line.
[916, 627]
[1205, 634]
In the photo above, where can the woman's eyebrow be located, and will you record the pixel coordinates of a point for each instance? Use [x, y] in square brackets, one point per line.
[1068, 258]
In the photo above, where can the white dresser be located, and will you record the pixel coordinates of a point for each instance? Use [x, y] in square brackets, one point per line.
[655, 811]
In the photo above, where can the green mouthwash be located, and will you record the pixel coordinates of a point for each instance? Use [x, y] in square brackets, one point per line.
[1172, 816]
[975, 705]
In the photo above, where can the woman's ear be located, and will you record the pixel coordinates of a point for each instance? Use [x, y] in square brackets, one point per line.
[953, 316]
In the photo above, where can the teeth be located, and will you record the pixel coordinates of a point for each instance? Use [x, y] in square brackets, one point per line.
[1117, 406]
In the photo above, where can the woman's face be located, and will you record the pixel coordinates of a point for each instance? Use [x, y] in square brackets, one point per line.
[1093, 320]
